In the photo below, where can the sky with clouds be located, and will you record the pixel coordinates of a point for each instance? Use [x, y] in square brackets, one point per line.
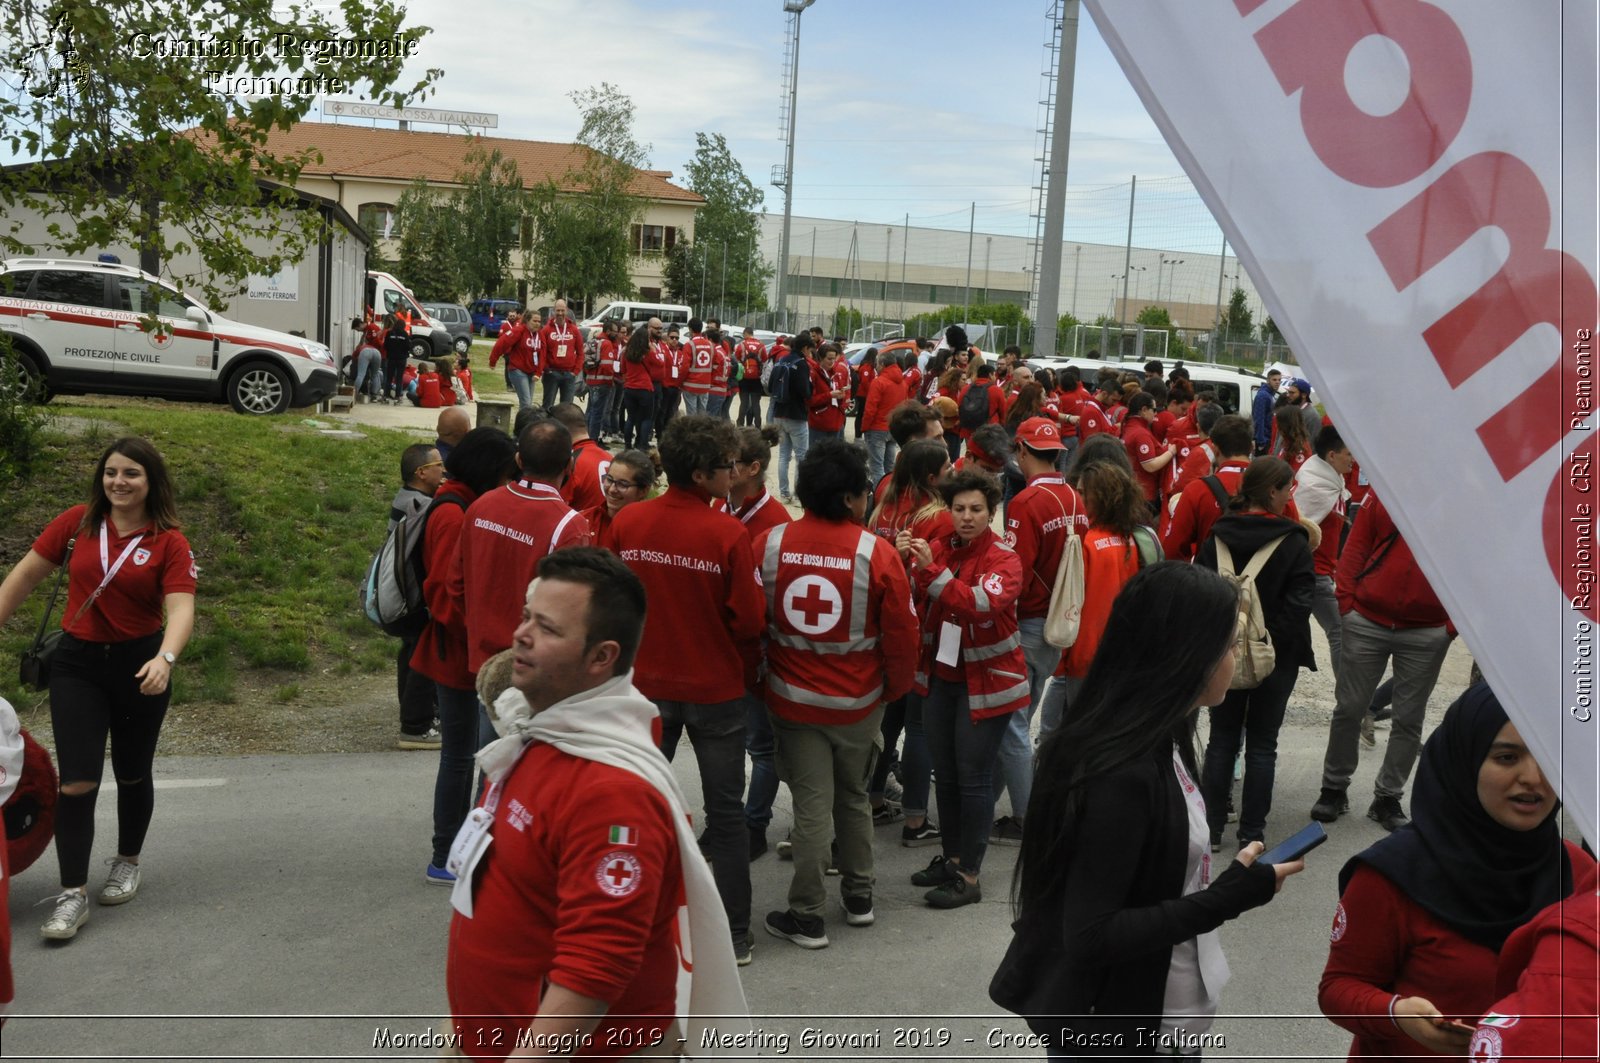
[905, 106]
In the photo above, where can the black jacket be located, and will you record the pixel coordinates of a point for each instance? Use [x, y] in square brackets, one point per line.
[1095, 959]
[1285, 586]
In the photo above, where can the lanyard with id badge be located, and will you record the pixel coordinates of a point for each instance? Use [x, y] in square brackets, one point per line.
[472, 841]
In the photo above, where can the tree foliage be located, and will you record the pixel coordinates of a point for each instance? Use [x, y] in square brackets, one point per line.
[489, 205]
[1237, 323]
[1007, 316]
[583, 224]
[165, 153]
[1064, 326]
[431, 235]
[724, 257]
[1270, 331]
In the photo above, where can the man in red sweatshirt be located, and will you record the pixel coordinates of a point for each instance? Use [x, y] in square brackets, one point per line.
[1389, 611]
[562, 345]
[705, 611]
[520, 348]
[503, 536]
[585, 487]
[841, 642]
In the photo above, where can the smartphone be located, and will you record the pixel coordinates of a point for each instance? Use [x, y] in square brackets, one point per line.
[1294, 848]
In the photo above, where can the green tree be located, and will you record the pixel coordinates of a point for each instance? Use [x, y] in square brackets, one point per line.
[1270, 331]
[1237, 324]
[583, 223]
[166, 154]
[845, 320]
[489, 207]
[430, 239]
[1064, 326]
[727, 230]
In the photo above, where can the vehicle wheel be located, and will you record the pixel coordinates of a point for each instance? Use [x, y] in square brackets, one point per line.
[260, 387]
[421, 348]
[463, 344]
[26, 381]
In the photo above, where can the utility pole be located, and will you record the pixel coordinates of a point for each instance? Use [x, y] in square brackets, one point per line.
[1055, 205]
[1222, 265]
[988, 249]
[1127, 262]
[888, 237]
[966, 307]
[786, 178]
[905, 240]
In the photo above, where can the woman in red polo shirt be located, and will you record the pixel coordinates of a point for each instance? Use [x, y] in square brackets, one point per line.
[128, 569]
[748, 498]
[630, 478]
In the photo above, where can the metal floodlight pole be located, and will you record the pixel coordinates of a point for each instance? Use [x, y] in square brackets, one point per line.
[905, 240]
[722, 294]
[966, 306]
[1048, 305]
[793, 7]
[1222, 266]
[1127, 259]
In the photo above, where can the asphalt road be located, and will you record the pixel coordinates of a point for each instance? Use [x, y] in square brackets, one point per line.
[283, 914]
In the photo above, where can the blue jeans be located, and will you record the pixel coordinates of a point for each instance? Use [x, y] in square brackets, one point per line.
[452, 786]
[1016, 748]
[795, 441]
[881, 451]
[1255, 716]
[696, 402]
[638, 414]
[369, 371]
[717, 734]
[717, 406]
[963, 751]
[763, 789]
[522, 384]
[916, 768]
[667, 400]
[600, 398]
[559, 386]
[819, 434]
[749, 403]
[1058, 698]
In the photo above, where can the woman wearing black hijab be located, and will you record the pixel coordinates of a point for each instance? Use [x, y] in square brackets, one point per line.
[1423, 913]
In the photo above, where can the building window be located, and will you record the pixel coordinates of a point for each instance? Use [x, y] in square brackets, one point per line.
[650, 295]
[378, 219]
[654, 239]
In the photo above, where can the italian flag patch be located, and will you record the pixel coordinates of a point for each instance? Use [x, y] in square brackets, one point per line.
[624, 836]
[1498, 1020]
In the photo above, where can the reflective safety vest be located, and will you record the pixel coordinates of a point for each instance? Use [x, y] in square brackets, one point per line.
[841, 635]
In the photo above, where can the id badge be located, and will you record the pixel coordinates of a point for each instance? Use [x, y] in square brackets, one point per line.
[471, 842]
[949, 644]
[561, 351]
[674, 372]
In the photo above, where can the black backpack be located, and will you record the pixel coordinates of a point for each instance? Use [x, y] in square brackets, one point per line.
[973, 412]
[778, 385]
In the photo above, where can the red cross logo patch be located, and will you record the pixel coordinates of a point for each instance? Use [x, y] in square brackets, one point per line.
[993, 584]
[618, 873]
[1341, 922]
[813, 605]
[1486, 1045]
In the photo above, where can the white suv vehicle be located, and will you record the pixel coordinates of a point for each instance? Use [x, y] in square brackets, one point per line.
[82, 328]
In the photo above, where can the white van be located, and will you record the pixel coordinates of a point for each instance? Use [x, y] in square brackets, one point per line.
[430, 337]
[1235, 388]
[634, 314]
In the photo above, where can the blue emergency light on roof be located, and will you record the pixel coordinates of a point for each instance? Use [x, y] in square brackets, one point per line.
[107, 256]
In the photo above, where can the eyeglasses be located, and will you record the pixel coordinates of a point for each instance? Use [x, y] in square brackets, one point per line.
[428, 465]
[608, 481]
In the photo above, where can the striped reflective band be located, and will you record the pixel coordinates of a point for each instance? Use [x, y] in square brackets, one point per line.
[861, 585]
[984, 653]
[1019, 692]
[980, 598]
[802, 696]
[769, 572]
[800, 642]
[939, 583]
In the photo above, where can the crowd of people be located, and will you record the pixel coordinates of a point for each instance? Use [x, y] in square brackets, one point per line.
[1014, 585]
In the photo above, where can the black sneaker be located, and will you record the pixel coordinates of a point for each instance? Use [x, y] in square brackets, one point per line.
[1387, 813]
[886, 813]
[1216, 841]
[1007, 830]
[858, 910]
[741, 950]
[833, 860]
[917, 837]
[937, 873]
[758, 842]
[1331, 805]
[807, 933]
[1382, 715]
[955, 893]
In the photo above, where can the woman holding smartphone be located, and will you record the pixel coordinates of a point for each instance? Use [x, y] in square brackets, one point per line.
[1423, 913]
[1115, 951]
[128, 569]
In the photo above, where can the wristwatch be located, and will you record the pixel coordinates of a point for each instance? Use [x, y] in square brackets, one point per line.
[170, 657]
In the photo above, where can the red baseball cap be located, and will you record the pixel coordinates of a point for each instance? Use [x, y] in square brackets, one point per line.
[1040, 433]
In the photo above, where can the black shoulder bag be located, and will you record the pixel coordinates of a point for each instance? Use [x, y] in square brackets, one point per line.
[34, 671]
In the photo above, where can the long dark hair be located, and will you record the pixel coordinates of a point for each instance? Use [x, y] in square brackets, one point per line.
[1029, 403]
[638, 344]
[160, 501]
[1293, 438]
[919, 460]
[1264, 476]
[1134, 703]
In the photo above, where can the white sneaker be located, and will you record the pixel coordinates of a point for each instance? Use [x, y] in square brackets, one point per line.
[122, 884]
[71, 912]
[1369, 736]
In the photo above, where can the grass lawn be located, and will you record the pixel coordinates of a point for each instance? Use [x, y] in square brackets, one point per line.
[283, 521]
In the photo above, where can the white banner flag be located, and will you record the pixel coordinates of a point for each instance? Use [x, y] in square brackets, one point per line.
[1412, 187]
